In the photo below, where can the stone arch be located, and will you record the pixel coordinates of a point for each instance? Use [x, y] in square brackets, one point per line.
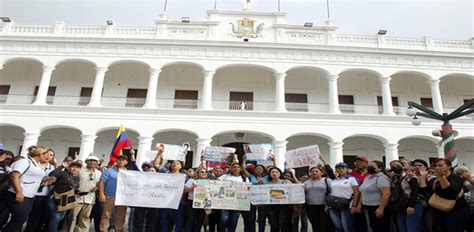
[11, 136]
[64, 140]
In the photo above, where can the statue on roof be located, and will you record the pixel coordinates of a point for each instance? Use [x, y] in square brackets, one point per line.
[247, 5]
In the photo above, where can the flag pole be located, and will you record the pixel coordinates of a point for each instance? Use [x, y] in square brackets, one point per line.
[327, 7]
[215, 4]
[278, 5]
[166, 4]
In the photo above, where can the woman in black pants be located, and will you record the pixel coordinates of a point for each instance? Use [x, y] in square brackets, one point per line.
[279, 215]
[195, 216]
[375, 195]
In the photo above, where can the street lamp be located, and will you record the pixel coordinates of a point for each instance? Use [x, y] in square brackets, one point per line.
[447, 133]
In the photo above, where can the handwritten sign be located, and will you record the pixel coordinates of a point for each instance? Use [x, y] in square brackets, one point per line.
[149, 189]
[302, 157]
[173, 152]
[277, 194]
[218, 156]
[214, 194]
[258, 151]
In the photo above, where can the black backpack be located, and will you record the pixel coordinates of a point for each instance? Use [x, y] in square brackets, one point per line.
[398, 200]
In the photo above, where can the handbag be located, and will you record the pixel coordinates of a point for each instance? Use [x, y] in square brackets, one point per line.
[443, 204]
[65, 201]
[338, 202]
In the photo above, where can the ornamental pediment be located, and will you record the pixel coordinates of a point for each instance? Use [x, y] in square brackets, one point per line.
[246, 28]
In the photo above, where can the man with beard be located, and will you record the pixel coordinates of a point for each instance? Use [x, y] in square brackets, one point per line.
[360, 173]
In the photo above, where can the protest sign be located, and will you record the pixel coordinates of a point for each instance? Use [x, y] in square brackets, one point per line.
[277, 194]
[302, 157]
[173, 152]
[149, 189]
[218, 156]
[212, 194]
[258, 151]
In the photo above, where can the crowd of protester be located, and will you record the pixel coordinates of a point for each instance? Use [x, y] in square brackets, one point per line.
[41, 195]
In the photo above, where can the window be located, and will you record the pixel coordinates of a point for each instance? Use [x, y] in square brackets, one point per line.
[346, 103]
[185, 99]
[136, 97]
[241, 101]
[394, 104]
[86, 93]
[426, 102]
[296, 102]
[4, 90]
[50, 95]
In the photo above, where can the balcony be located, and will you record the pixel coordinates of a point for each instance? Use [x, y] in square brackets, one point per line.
[190, 104]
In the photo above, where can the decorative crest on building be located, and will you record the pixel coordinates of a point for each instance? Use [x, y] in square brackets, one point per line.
[246, 29]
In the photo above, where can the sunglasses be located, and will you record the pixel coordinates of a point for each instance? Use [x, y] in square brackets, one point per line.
[202, 172]
[91, 176]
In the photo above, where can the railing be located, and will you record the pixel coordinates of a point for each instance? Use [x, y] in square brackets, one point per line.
[171, 103]
[202, 30]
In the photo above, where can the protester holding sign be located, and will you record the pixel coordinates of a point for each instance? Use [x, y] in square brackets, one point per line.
[107, 192]
[195, 217]
[317, 188]
[229, 218]
[279, 215]
[258, 177]
[175, 168]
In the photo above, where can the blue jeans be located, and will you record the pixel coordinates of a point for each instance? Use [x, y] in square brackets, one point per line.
[228, 220]
[178, 218]
[342, 220]
[410, 223]
[56, 217]
[19, 212]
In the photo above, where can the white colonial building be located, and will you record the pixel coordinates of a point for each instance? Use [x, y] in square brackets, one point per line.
[237, 77]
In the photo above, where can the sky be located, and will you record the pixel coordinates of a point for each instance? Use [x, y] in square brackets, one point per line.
[441, 19]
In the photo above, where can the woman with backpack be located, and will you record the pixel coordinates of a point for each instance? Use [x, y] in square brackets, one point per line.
[405, 202]
[343, 199]
[26, 177]
[375, 195]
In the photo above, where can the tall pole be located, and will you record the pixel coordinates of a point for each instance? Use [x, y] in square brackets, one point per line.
[447, 132]
[215, 4]
[278, 5]
[327, 8]
[166, 4]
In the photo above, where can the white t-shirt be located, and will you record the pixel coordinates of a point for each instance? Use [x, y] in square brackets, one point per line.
[87, 181]
[46, 189]
[31, 179]
[343, 187]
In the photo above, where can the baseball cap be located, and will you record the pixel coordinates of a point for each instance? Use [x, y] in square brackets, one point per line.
[123, 157]
[362, 158]
[341, 165]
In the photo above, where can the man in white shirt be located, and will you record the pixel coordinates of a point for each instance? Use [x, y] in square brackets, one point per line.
[89, 177]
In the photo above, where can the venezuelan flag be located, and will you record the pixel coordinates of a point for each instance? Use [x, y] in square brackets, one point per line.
[122, 141]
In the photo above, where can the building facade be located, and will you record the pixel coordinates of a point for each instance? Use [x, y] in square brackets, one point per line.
[236, 77]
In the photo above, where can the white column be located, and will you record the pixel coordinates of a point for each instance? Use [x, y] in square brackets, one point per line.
[87, 146]
[150, 102]
[436, 96]
[206, 99]
[280, 92]
[440, 150]
[144, 145]
[201, 144]
[386, 96]
[335, 153]
[391, 153]
[98, 86]
[29, 140]
[333, 96]
[279, 152]
[44, 85]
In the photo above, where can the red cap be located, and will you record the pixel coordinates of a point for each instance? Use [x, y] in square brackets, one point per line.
[363, 158]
